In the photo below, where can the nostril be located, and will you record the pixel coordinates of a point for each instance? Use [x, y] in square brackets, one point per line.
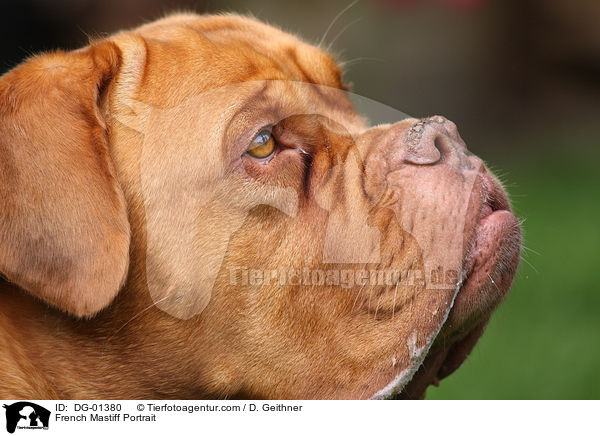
[427, 141]
[433, 139]
[424, 144]
[444, 144]
[423, 153]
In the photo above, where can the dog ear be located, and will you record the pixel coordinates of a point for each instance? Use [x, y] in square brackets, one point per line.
[64, 232]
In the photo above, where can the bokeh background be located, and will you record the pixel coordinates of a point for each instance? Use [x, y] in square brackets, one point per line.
[521, 79]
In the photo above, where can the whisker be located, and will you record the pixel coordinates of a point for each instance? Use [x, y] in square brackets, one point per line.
[370, 293]
[337, 17]
[531, 250]
[394, 301]
[529, 263]
[136, 315]
[340, 33]
[357, 294]
[377, 307]
[345, 64]
[494, 283]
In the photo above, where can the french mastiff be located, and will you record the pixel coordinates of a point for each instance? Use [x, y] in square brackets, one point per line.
[194, 209]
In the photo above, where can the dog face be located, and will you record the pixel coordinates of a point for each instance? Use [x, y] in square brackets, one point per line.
[265, 241]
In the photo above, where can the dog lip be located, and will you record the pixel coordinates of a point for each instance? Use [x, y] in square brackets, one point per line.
[494, 226]
[493, 248]
[494, 197]
[494, 206]
[495, 231]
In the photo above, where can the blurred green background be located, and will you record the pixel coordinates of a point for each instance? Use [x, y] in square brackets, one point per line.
[544, 341]
[521, 79]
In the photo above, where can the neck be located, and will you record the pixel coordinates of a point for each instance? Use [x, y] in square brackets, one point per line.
[47, 353]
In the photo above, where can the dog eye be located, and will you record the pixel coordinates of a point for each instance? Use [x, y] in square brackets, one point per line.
[263, 145]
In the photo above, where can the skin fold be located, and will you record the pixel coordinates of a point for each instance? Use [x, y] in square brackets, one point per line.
[147, 254]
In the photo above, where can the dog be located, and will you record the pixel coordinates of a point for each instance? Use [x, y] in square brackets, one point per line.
[194, 209]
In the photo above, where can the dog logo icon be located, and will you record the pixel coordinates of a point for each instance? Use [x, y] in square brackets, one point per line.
[26, 415]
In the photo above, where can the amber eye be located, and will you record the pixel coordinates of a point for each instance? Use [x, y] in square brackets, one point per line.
[263, 145]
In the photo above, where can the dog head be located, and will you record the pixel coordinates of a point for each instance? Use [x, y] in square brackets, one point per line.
[263, 239]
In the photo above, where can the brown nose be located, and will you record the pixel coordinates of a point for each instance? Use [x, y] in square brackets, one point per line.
[427, 142]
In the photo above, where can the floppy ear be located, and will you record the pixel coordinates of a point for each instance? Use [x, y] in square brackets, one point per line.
[64, 233]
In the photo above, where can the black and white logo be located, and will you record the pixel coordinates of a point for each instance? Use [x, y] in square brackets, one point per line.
[26, 415]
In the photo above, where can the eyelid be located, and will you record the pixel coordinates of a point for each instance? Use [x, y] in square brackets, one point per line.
[268, 128]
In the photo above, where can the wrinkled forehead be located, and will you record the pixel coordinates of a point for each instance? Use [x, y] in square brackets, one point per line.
[210, 84]
[189, 55]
